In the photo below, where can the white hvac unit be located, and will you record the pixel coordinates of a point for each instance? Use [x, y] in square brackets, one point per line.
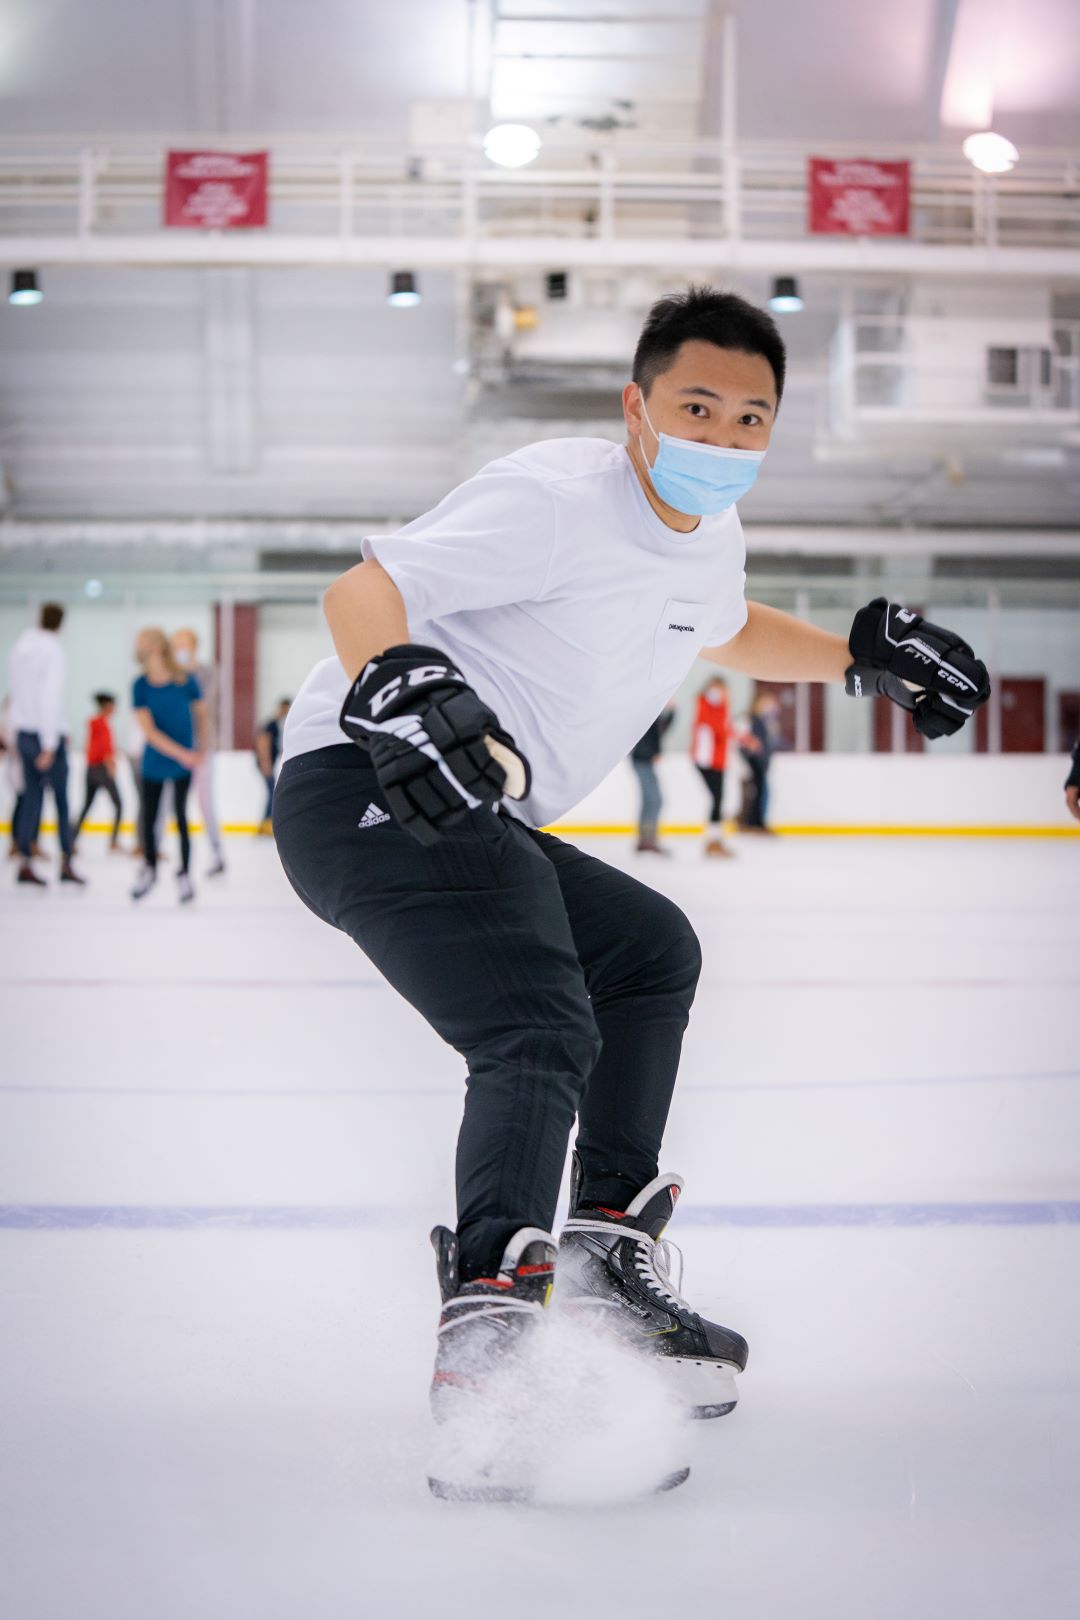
[951, 366]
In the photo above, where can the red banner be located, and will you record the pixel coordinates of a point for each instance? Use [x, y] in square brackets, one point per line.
[858, 197]
[216, 191]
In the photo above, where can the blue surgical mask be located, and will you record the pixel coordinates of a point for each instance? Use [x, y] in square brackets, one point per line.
[700, 479]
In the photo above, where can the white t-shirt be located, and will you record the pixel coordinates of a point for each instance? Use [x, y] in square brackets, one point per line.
[37, 670]
[567, 603]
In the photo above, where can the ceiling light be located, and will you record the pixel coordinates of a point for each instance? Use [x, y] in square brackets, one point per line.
[785, 298]
[403, 290]
[24, 288]
[93, 588]
[511, 145]
[991, 153]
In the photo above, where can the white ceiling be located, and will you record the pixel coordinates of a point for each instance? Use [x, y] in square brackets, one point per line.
[814, 69]
[297, 393]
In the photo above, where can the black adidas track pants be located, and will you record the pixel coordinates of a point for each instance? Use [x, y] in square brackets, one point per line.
[565, 984]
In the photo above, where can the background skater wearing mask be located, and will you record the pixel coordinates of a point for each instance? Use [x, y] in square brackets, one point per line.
[713, 732]
[185, 646]
[168, 706]
[550, 605]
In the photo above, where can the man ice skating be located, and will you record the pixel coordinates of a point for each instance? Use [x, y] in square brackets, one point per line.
[517, 640]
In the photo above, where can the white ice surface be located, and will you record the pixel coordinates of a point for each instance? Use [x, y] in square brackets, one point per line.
[215, 1421]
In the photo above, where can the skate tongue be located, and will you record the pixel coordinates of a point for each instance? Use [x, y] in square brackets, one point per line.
[654, 1205]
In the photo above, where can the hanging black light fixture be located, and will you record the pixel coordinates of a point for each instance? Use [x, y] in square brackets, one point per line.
[24, 288]
[785, 298]
[403, 289]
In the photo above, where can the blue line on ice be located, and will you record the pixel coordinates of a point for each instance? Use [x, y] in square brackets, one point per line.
[340, 1217]
[453, 1091]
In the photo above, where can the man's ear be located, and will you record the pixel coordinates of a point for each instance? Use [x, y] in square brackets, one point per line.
[631, 404]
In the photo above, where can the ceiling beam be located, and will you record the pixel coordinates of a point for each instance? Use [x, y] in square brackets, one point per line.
[942, 36]
[839, 255]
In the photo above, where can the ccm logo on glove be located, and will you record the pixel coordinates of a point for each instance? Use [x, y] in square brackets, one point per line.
[423, 675]
[926, 669]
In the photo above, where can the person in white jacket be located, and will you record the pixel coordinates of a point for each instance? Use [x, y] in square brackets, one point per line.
[37, 671]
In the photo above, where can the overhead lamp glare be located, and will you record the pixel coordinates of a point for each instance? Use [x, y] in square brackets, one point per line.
[990, 153]
[403, 290]
[785, 298]
[511, 145]
[24, 288]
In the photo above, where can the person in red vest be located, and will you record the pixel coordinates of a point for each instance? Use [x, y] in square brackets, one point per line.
[101, 764]
[711, 737]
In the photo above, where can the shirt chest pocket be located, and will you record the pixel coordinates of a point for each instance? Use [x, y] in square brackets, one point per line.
[679, 636]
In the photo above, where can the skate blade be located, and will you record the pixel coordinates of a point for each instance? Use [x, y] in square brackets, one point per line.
[453, 1491]
[448, 1490]
[706, 1389]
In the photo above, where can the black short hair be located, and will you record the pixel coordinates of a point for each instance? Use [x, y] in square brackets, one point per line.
[704, 315]
[101, 698]
[52, 616]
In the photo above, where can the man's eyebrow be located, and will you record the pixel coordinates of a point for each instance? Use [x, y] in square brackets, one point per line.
[709, 393]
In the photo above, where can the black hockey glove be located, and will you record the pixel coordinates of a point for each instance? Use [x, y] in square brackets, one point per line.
[432, 742]
[926, 669]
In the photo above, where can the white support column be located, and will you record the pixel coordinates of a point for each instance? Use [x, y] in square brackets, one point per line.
[802, 690]
[728, 127]
[226, 671]
[607, 194]
[229, 372]
[87, 189]
[345, 195]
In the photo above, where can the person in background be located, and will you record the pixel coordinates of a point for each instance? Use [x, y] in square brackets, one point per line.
[185, 646]
[643, 757]
[1072, 785]
[758, 751]
[13, 772]
[169, 708]
[37, 672]
[101, 766]
[267, 754]
[713, 731]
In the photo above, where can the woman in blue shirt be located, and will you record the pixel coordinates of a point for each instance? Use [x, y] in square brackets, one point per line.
[170, 710]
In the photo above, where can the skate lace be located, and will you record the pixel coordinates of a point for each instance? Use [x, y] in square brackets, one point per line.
[654, 1259]
[472, 1308]
[654, 1262]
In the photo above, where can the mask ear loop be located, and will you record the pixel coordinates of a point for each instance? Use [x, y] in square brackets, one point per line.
[648, 419]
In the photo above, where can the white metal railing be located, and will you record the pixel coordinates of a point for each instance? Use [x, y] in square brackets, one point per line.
[608, 189]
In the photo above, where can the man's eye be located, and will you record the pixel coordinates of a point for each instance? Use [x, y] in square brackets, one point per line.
[696, 407]
[750, 420]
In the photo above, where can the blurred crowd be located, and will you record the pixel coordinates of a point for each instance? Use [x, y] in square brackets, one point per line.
[170, 751]
[175, 732]
[716, 734]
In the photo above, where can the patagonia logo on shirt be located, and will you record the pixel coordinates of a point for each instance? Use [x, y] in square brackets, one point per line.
[687, 627]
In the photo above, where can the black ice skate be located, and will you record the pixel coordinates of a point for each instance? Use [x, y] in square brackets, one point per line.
[485, 1326]
[614, 1265]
